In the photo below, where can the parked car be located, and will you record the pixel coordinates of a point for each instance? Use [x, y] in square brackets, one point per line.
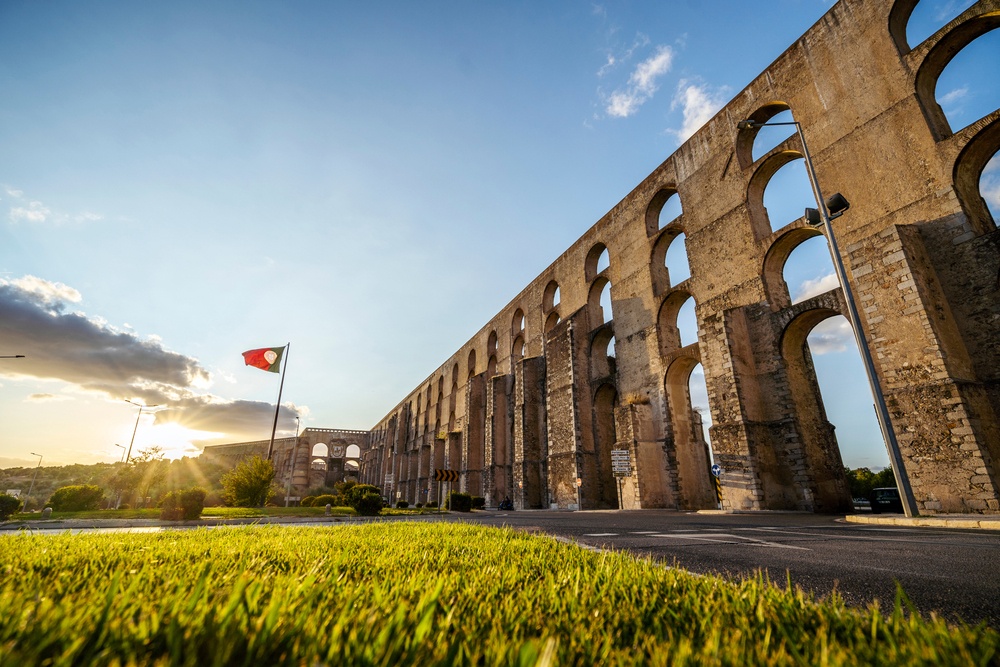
[885, 499]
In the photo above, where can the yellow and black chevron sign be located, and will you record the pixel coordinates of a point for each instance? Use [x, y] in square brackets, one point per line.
[441, 475]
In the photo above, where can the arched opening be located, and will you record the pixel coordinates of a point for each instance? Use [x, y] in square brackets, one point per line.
[787, 194]
[989, 186]
[700, 412]
[550, 298]
[966, 90]
[977, 178]
[551, 321]
[827, 490]
[352, 452]
[602, 354]
[687, 322]
[472, 363]
[746, 138]
[689, 446]
[597, 261]
[605, 437]
[599, 303]
[676, 260]
[944, 52]
[491, 343]
[809, 271]
[926, 18]
[320, 450]
[776, 260]
[318, 464]
[491, 367]
[517, 350]
[517, 322]
[769, 137]
[667, 322]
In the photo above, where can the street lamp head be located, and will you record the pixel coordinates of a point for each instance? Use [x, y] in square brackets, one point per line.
[747, 124]
[836, 204]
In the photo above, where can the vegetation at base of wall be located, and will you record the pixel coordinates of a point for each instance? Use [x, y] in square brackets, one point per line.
[432, 504]
[402, 504]
[478, 502]
[419, 594]
[185, 505]
[249, 483]
[323, 501]
[207, 513]
[307, 501]
[77, 498]
[459, 502]
[9, 506]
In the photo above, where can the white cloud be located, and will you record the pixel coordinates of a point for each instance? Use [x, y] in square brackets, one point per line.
[816, 286]
[954, 95]
[45, 398]
[830, 336]
[49, 292]
[699, 102]
[642, 84]
[36, 211]
[952, 8]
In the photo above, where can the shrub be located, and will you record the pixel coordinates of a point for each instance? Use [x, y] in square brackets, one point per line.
[77, 498]
[402, 504]
[307, 501]
[9, 505]
[249, 483]
[431, 504]
[183, 505]
[419, 505]
[324, 500]
[459, 502]
[478, 502]
[368, 503]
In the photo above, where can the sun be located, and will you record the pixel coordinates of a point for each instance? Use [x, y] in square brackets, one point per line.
[175, 441]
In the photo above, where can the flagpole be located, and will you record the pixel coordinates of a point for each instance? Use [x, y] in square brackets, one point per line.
[274, 427]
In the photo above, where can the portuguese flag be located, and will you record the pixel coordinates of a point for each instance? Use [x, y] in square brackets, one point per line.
[266, 358]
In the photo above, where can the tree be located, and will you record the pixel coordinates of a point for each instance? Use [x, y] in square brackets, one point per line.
[78, 498]
[249, 483]
[862, 480]
[8, 506]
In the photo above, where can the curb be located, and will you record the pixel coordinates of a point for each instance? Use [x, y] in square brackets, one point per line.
[963, 523]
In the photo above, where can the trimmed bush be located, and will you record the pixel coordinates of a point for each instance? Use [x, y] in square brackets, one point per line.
[402, 504]
[459, 502]
[324, 500]
[368, 503]
[9, 505]
[307, 501]
[183, 505]
[77, 498]
[431, 504]
[478, 502]
[419, 505]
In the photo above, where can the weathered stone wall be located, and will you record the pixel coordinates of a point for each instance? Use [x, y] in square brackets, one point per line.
[922, 254]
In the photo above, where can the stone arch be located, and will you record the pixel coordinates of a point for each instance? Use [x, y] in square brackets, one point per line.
[320, 450]
[655, 207]
[899, 17]
[517, 349]
[594, 261]
[968, 173]
[472, 362]
[695, 487]
[352, 452]
[937, 59]
[491, 343]
[551, 296]
[745, 138]
[666, 328]
[594, 306]
[774, 264]
[824, 465]
[602, 357]
[551, 321]
[491, 366]
[605, 438]
[770, 165]
[662, 279]
[517, 323]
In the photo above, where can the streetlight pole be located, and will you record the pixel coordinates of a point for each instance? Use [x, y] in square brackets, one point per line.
[128, 455]
[11, 356]
[291, 468]
[122, 460]
[33, 478]
[881, 410]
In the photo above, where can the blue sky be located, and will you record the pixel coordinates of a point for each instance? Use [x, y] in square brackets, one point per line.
[183, 181]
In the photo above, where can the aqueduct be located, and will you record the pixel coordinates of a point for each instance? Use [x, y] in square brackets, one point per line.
[540, 396]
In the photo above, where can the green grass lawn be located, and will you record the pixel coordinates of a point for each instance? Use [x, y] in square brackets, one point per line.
[391, 593]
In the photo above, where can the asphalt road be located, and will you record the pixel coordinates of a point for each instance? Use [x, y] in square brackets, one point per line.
[954, 573]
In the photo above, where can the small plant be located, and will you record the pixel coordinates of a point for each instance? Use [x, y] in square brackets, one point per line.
[307, 501]
[249, 483]
[183, 505]
[478, 502]
[459, 502]
[635, 398]
[419, 505]
[431, 504]
[402, 504]
[9, 505]
[78, 498]
[365, 499]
